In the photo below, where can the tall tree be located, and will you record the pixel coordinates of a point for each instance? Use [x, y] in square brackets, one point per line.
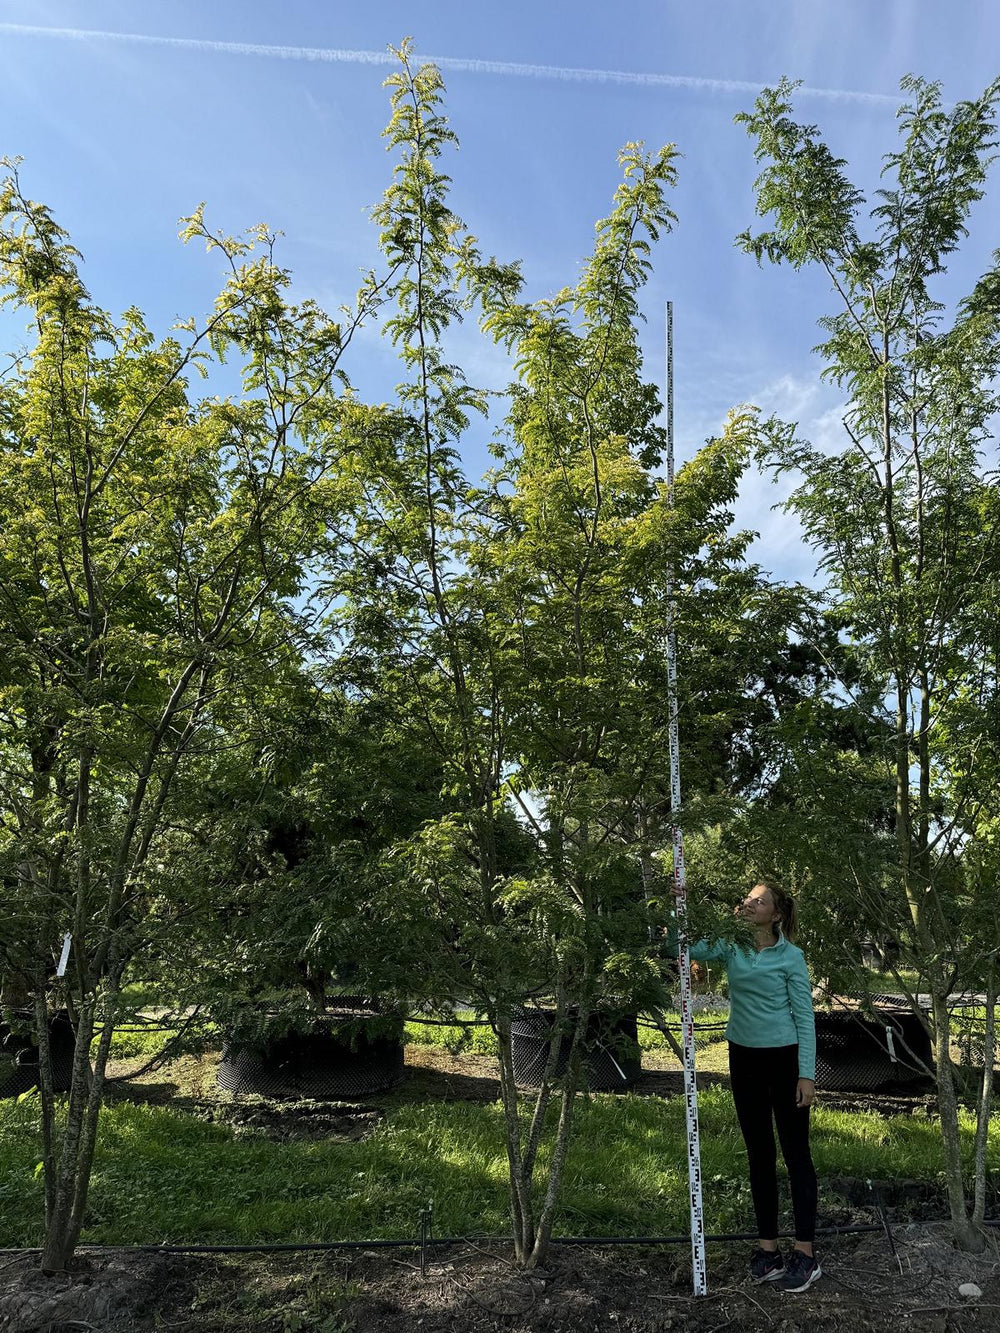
[150, 576]
[904, 521]
[524, 620]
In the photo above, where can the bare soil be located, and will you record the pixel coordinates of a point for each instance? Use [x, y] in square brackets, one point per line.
[474, 1289]
[432, 1074]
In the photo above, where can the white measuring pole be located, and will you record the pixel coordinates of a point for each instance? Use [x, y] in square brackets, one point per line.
[680, 886]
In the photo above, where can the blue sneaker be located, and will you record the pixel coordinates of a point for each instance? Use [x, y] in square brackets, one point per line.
[766, 1265]
[801, 1271]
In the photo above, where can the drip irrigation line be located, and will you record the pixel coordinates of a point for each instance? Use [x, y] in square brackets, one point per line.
[883, 1219]
[302, 1247]
[484, 1022]
[684, 1240]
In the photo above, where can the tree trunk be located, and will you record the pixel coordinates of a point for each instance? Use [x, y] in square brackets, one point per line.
[88, 1139]
[545, 1091]
[985, 1101]
[62, 1174]
[967, 1235]
[522, 1225]
[46, 1093]
[543, 1233]
[68, 1181]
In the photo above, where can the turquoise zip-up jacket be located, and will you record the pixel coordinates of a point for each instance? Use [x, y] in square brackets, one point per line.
[770, 996]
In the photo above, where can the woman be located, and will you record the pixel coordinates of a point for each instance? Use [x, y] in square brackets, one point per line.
[772, 1068]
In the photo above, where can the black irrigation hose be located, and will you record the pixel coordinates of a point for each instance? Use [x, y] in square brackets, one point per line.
[880, 1211]
[415, 1243]
[153, 1026]
[484, 1022]
[686, 1240]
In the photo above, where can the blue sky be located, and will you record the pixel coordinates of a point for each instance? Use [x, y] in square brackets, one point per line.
[121, 136]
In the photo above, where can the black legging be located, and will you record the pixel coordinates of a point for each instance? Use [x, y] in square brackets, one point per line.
[764, 1081]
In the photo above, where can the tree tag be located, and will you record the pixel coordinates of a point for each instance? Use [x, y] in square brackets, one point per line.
[64, 956]
[891, 1044]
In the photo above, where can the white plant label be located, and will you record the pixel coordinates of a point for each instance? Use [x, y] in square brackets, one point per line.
[64, 956]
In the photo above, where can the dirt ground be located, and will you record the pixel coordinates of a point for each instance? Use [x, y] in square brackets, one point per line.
[432, 1074]
[474, 1289]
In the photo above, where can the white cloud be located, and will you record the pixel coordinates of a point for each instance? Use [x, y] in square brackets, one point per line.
[818, 415]
[826, 431]
[791, 397]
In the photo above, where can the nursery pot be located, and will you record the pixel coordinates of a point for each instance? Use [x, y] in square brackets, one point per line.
[351, 1050]
[611, 1058]
[19, 1055]
[860, 1054]
[62, 1044]
[18, 1060]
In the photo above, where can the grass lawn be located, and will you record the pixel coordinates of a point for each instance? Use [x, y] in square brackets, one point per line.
[165, 1174]
[480, 1040]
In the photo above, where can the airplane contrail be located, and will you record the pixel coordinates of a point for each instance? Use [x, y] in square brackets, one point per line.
[460, 64]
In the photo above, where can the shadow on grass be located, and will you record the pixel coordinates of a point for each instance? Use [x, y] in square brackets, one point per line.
[148, 1093]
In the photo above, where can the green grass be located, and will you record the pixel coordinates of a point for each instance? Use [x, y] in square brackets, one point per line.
[164, 1175]
[453, 1037]
[130, 1042]
[708, 1029]
[885, 983]
[481, 1041]
[133, 1040]
[161, 1175]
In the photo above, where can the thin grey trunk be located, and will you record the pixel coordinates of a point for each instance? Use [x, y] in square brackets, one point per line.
[545, 1091]
[58, 1248]
[560, 1148]
[520, 1199]
[967, 1235]
[47, 1096]
[647, 872]
[985, 1101]
[924, 770]
[88, 1140]
[667, 1035]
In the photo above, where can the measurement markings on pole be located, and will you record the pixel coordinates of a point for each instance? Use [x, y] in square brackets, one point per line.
[680, 884]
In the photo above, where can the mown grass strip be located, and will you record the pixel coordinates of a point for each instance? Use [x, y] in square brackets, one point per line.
[480, 1040]
[165, 1176]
